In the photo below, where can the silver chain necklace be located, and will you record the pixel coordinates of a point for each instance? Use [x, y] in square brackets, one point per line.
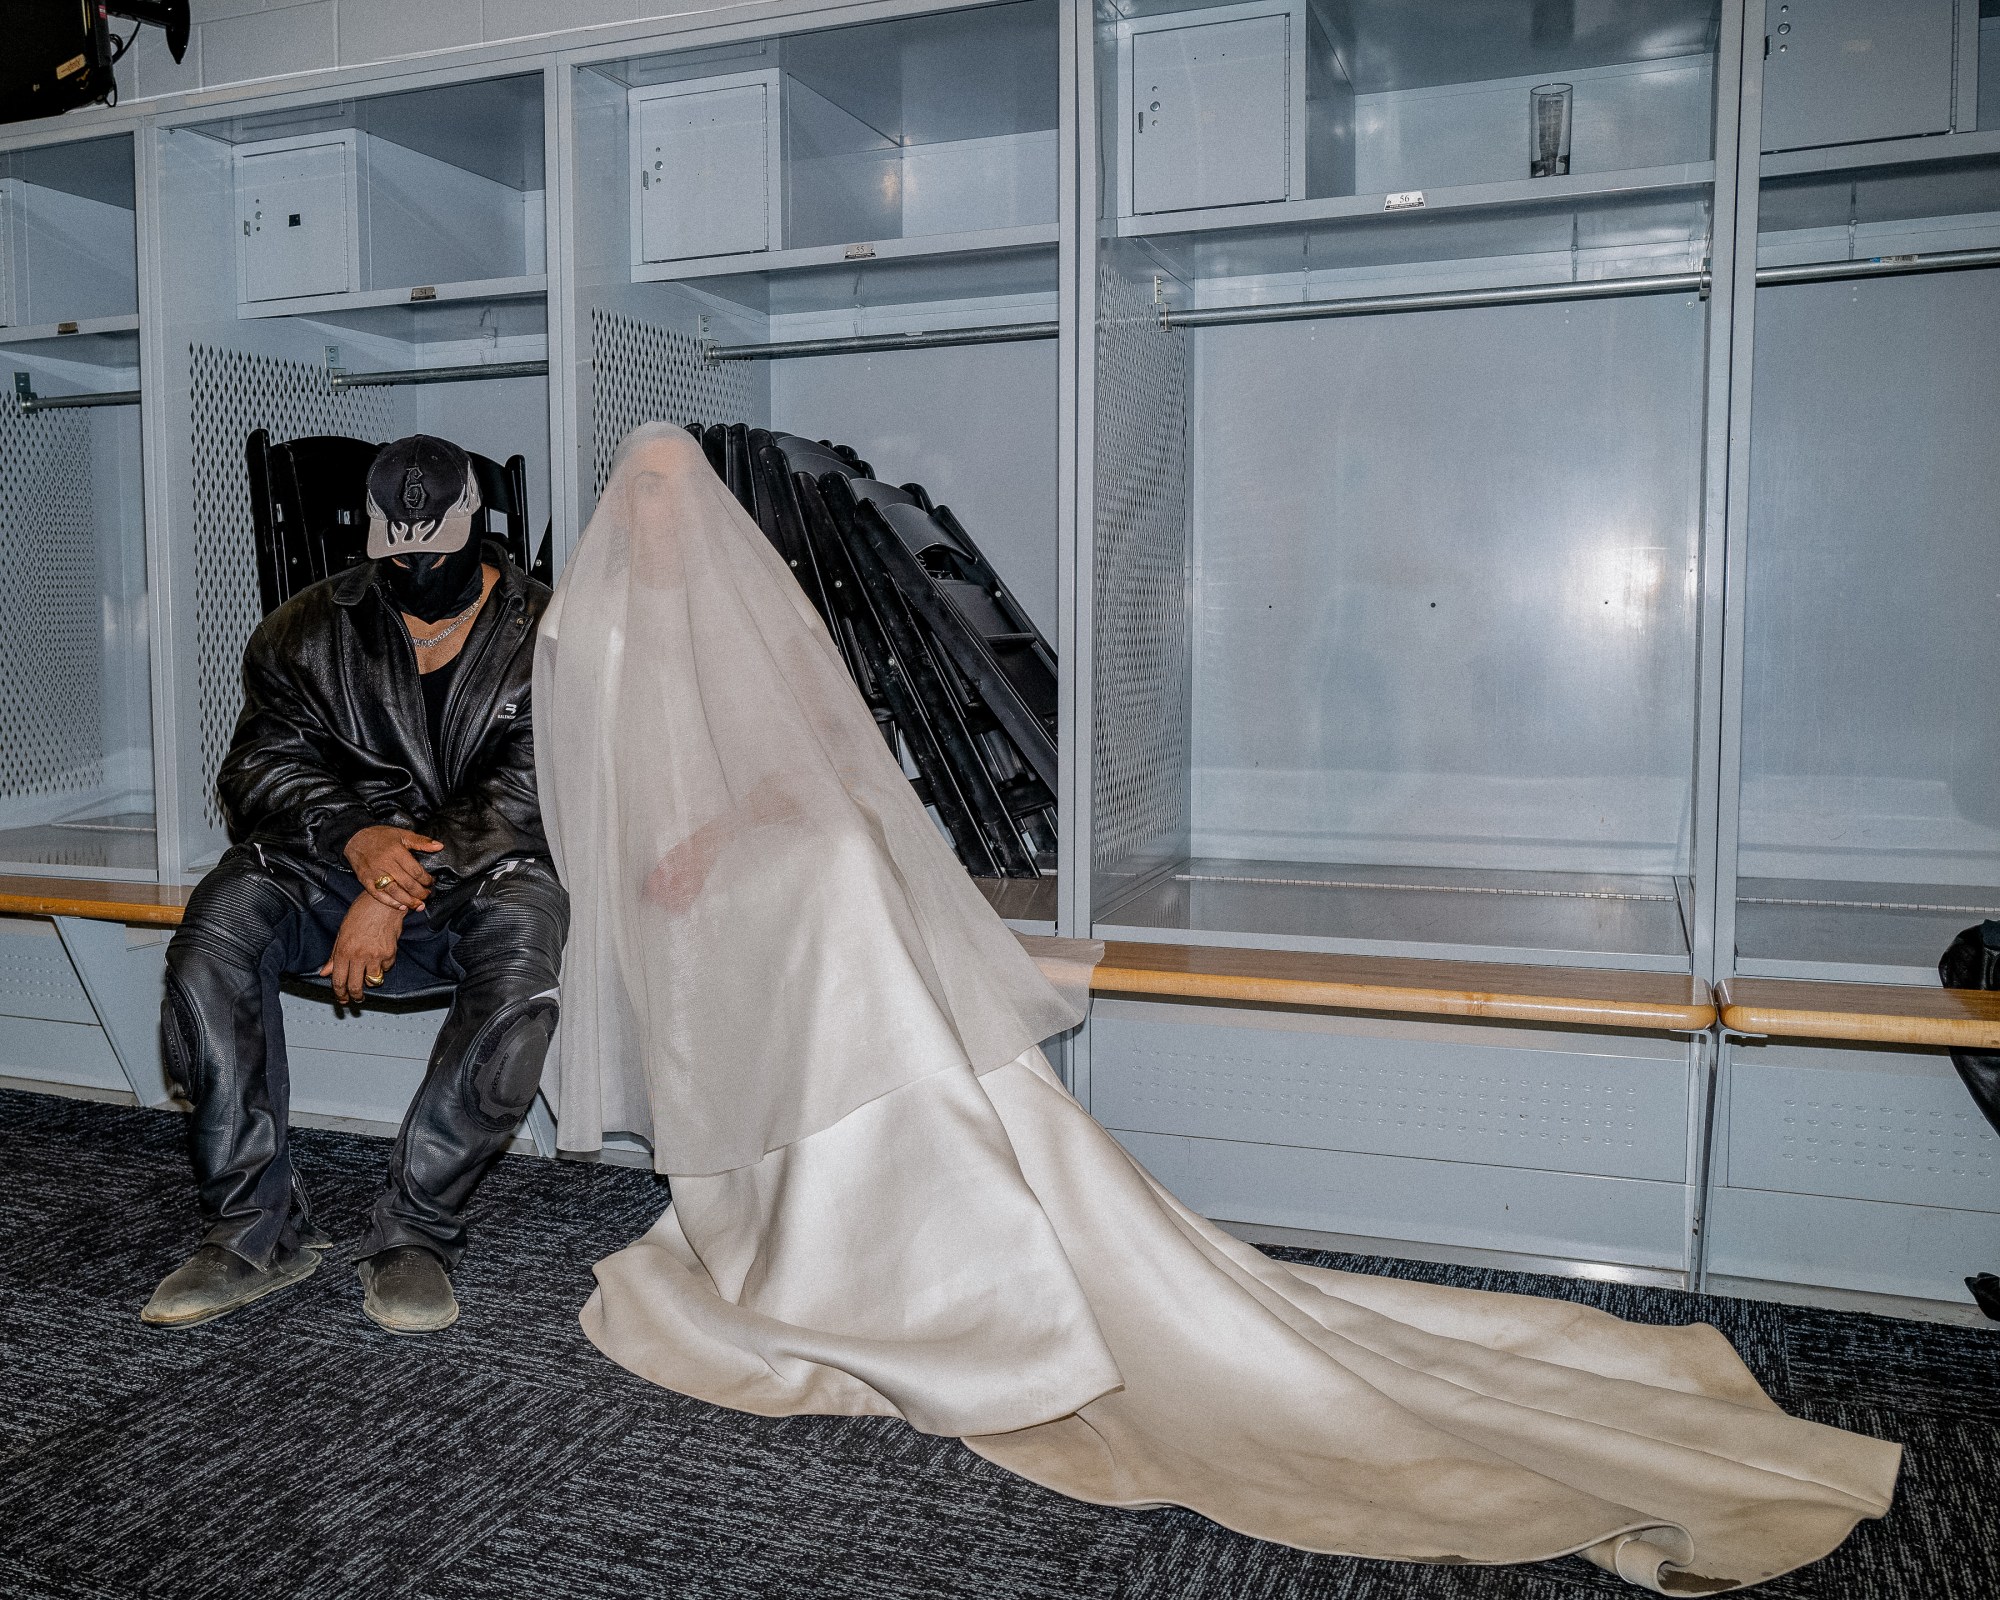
[447, 630]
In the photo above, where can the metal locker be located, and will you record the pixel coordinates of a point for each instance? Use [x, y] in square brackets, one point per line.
[296, 205]
[1211, 124]
[704, 154]
[1843, 71]
[10, 234]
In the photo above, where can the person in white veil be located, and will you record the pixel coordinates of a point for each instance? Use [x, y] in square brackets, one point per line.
[884, 1203]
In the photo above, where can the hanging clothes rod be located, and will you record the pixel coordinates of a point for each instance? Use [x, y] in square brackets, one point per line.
[387, 380]
[857, 344]
[1879, 267]
[79, 402]
[1594, 289]
[30, 402]
[1439, 300]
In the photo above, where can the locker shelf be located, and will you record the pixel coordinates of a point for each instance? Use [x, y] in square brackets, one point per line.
[1399, 47]
[95, 341]
[1591, 191]
[1485, 235]
[769, 196]
[1028, 905]
[419, 299]
[118, 844]
[80, 328]
[894, 137]
[1586, 919]
[978, 272]
[67, 234]
[1945, 198]
[1865, 932]
[1923, 149]
[863, 257]
[359, 199]
[1375, 101]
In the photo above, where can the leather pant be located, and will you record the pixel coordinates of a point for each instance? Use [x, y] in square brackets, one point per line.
[1973, 962]
[256, 919]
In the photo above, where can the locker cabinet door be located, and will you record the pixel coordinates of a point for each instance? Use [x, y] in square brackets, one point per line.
[705, 186]
[294, 206]
[1211, 114]
[1841, 71]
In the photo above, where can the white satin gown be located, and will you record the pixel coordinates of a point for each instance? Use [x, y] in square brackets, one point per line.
[884, 1203]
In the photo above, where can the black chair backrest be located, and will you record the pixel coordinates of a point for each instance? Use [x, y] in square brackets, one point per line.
[309, 504]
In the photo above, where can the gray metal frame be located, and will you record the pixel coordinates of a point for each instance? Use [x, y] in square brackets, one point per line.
[21, 394]
[1714, 861]
[1704, 758]
[1733, 463]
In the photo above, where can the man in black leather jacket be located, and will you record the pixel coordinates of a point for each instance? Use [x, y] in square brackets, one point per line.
[380, 791]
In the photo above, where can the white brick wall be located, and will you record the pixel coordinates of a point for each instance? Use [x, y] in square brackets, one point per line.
[239, 41]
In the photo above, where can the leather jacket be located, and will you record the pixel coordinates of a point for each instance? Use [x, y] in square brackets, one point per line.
[332, 738]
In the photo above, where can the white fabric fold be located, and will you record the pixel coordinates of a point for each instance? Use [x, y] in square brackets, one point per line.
[1067, 963]
[782, 973]
[761, 937]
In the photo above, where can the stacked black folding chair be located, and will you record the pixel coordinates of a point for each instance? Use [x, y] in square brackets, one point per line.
[960, 681]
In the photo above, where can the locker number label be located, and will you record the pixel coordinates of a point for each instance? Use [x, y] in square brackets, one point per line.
[1403, 200]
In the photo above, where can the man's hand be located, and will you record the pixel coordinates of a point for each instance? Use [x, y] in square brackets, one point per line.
[385, 860]
[365, 948]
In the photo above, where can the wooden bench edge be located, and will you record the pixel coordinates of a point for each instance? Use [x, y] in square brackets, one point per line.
[1650, 1015]
[1861, 1027]
[135, 914]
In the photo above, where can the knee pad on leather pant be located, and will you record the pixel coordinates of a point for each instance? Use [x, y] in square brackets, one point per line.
[180, 1039]
[505, 1069]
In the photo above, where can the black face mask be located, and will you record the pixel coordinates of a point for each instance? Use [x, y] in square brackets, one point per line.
[432, 587]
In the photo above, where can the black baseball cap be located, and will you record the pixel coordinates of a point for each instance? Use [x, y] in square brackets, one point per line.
[421, 497]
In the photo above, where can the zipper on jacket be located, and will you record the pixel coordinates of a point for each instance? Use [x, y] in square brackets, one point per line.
[457, 692]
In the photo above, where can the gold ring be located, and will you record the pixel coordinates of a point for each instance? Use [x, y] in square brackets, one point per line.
[372, 977]
[384, 881]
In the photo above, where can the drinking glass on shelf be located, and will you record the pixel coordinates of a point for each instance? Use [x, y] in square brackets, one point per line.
[1548, 129]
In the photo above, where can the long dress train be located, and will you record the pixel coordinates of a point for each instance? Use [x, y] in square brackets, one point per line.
[885, 1204]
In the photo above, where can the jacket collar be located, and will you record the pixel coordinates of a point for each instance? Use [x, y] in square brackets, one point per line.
[353, 585]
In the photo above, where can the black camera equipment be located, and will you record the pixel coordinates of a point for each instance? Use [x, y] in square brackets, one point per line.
[59, 54]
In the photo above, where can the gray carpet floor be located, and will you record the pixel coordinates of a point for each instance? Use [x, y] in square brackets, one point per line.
[293, 1450]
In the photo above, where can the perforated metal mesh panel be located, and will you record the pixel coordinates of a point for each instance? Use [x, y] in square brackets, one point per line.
[36, 976]
[1857, 1125]
[640, 372]
[1140, 620]
[51, 633]
[232, 394]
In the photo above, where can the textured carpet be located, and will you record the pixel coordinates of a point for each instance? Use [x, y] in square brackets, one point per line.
[293, 1450]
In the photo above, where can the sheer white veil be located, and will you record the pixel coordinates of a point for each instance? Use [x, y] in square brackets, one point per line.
[768, 931]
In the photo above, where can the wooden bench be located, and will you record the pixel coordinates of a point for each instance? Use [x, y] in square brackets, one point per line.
[1579, 996]
[1876, 1013]
[144, 905]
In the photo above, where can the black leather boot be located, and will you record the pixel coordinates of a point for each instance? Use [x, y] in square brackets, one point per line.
[405, 1289]
[214, 1282]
